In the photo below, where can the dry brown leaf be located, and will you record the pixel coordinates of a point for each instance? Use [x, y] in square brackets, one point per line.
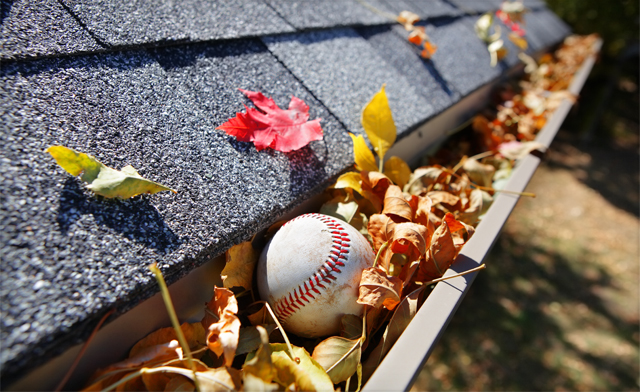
[451, 201]
[241, 262]
[378, 289]
[377, 228]
[222, 324]
[396, 206]
[479, 173]
[471, 214]
[442, 252]
[375, 182]
[147, 357]
[423, 179]
[408, 238]
[193, 333]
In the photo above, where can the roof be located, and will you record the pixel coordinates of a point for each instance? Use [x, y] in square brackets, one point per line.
[145, 83]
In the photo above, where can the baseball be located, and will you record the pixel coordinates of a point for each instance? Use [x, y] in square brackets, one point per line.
[310, 272]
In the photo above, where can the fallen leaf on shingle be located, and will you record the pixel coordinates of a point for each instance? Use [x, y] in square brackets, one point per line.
[270, 126]
[101, 179]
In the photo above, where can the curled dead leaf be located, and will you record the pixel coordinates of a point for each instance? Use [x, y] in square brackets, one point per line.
[396, 206]
[378, 289]
[222, 324]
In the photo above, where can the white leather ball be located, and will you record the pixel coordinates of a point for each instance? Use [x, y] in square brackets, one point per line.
[310, 272]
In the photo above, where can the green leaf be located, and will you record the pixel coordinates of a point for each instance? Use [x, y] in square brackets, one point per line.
[363, 156]
[378, 123]
[104, 180]
[336, 208]
[339, 357]
[307, 375]
[398, 171]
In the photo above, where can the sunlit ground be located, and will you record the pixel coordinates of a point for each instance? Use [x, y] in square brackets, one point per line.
[558, 306]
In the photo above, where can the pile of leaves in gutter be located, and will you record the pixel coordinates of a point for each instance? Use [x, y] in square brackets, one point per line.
[417, 222]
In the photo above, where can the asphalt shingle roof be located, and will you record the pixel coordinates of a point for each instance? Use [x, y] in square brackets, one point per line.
[146, 83]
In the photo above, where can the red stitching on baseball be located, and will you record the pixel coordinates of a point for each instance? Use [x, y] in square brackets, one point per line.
[337, 257]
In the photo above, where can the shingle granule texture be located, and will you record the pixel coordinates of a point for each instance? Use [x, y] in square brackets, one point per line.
[144, 22]
[356, 71]
[69, 256]
[405, 57]
[471, 67]
[325, 13]
[33, 29]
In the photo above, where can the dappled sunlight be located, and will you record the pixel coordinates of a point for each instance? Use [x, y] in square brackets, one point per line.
[557, 307]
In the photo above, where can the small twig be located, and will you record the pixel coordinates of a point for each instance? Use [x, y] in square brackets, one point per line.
[478, 268]
[174, 320]
[383, 247]
[76, 361]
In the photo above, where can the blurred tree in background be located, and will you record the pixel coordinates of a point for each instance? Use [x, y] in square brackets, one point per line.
[609, 105]
[615, 20]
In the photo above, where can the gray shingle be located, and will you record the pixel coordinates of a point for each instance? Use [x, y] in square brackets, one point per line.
[69, 256]
[462, 58]
[475, 6]
[325, 13]
[344, 72]
[139, 22]
[36, 28]
[405, 57]
[544, 29]
[424, 8]
[435, 8]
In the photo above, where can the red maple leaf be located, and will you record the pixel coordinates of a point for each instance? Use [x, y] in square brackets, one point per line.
[270, 126]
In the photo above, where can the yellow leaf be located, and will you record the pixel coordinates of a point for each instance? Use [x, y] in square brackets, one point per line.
[377, 122]
[350, 180]
[241, 261]
[339, 357]
[365, 161]
[102, 179]
[398, 171]
[306, 373]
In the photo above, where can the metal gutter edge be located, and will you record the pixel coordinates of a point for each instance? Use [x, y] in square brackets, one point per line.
[401, 366]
